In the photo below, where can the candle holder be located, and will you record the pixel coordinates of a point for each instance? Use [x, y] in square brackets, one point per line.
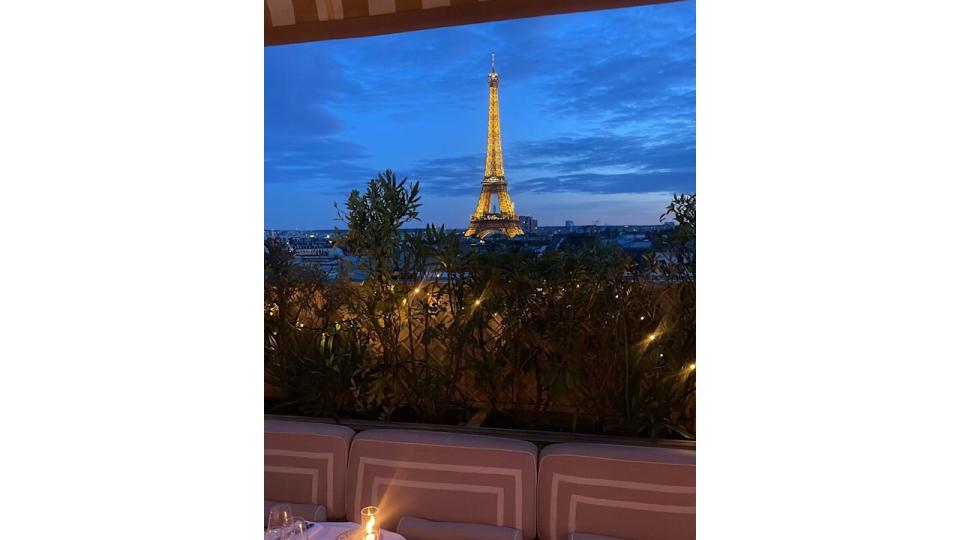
[369, 524]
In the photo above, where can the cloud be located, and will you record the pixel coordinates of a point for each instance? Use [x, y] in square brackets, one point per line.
[326, 162]
[604, 163]
[450, 176]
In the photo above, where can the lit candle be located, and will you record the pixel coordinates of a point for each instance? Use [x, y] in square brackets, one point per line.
[370, 524]
[370, 529]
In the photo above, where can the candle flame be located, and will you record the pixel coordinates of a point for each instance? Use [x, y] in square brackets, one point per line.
[370, 525]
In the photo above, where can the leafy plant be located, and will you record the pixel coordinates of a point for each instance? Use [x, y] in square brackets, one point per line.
[436, 329]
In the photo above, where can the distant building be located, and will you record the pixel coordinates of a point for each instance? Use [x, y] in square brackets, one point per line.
[569, 224]
[309, 247]
[662, 227]
[528, 224]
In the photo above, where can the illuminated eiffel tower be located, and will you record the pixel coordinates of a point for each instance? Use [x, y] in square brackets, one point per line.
[485, 221]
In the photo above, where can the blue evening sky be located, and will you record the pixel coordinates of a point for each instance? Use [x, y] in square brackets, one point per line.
[597, 115]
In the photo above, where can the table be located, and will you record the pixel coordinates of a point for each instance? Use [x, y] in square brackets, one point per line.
[329, 530]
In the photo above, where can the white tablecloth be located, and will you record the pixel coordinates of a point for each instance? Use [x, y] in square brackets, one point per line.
[330, 530]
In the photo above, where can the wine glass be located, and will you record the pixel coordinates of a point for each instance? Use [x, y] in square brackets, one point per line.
[297, 530]
[281, 516]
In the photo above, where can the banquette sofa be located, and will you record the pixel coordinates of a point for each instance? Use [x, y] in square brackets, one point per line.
[435, 485]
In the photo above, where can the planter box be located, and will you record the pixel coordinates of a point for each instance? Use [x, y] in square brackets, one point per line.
[540, 438]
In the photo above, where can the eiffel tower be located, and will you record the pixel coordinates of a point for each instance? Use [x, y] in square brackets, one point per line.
[485, 219]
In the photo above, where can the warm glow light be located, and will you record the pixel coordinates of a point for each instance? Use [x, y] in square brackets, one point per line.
[368, 523]
[693, 366]
[476, 302]
[652, 337]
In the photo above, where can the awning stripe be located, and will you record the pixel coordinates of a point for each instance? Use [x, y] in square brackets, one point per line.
[297, 21]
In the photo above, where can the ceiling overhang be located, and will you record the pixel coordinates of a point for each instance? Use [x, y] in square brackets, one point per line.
[299, 21]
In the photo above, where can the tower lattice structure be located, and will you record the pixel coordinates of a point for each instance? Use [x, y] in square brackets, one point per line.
[484, 220]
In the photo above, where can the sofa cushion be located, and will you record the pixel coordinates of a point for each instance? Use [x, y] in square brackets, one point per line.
[413, 528]
[586, 536]
[445, 477]
[309, 512]
[306, 463]
[629, 492]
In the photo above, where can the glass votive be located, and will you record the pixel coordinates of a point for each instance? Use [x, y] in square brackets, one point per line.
[369, 526]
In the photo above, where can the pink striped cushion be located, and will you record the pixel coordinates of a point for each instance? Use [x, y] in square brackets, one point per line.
[628, 492]
[305, 462]
[423, 529]
[586, 536]
[444, 477]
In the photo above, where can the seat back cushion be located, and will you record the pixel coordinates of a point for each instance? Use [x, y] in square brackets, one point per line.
[444, 477]
[586, 536]
[306, 462]
[628, 492]
[413, 528]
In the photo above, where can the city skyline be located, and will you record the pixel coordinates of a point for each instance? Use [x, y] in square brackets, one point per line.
[597, 111]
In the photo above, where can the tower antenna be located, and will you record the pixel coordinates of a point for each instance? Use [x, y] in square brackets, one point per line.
[493, 62]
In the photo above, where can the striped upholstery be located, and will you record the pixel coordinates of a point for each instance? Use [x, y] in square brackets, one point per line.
[424, 529]
[586, 536]
[444, 477]
[296, 21]
[305, 462]
[627, 492]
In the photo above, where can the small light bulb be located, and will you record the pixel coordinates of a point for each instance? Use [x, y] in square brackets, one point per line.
[476, 302]
[417, 290]
[693, 366]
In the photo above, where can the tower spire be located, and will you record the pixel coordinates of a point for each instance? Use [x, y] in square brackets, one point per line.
[493, 62]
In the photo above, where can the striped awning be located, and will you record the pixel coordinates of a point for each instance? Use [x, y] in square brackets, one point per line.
[297, 21]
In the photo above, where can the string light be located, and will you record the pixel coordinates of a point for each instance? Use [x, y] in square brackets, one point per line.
[476, 302]
[693, 366]
[416, 291]
[652, 337]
